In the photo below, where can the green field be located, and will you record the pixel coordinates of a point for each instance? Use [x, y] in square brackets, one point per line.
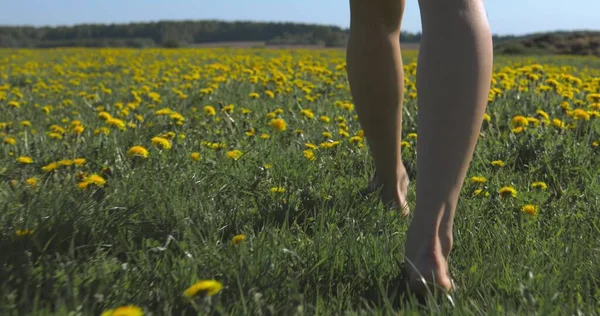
[266, 144]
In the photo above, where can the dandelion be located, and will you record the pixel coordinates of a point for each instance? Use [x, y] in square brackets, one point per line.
[311, 146]
[277, 190]
[327, 135]
[595, 144]
[204, 288]
[543, 115]
[234, 154]
[79, 161]
[24, 160]
[479, 192]
[138, 151]
[161, 142]
[518, 129]
[507, 191]
[54, 135]
[519, 120]
[209, 110]
[530, 209]
[32, 182]
[78, 130]
[10, 140]
[307, 113]
[102, 130]
[228, 108]
[93, 179]
[265, 136]
[558, 123]
[477, 179]
[580, 114]
[129, 310]
[50, 167]
[487, 117]
[405, 144]
[65, 162]
[253, 95]
[278, 124]
[329, 144]
[309, 154]
[355, 139]
[539, 185]
[23, 232]
[411, 136]
[195, 156]
[25, 123]
[238, 239]
[324, 118]
[498, 163]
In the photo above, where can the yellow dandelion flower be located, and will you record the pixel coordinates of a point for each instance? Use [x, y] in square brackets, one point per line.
[138, 151]
[209, 110]
[50, 167]
[580, 114]
[487, 117]
[324, 118]
[234, 154]
[78, 130]
[195, 156]
[204, 288]
[253, 95]
[329, 144]
[129, 310]
[309, 154]
[311, 146]
[327, 135]
[265, 136]
[24, 160]
[161, 142]
[481, 192]
[25, 123]
[277, 190]
[250, 132]
[518, 129]
[404, 144]
[519, 121]
[93, 179]
[102, 130]
[23, 232]
[539, 185]
[477, 179]
[278, 124]
[228, 108]
[238, 239]
[507, 191]
[498, 163]
[543, 114]
[307, 113]
[558, 123]
[530, 209]
[54, 135]
[355, 139]
[104, 115]
[10, 140]
[79, 161]
[115, 122]
[31, 182]
[595, 144]
[411, 136]
[65, 162]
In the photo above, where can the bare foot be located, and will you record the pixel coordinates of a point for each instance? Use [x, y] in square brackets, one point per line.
[394, 194]
[428, 272]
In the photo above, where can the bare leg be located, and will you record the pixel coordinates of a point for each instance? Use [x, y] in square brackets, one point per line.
[453, 81]
[376, 79]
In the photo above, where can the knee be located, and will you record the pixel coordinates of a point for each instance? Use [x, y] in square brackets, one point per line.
[384, 15]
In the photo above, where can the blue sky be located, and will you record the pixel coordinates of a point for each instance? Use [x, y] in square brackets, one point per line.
[506, 16]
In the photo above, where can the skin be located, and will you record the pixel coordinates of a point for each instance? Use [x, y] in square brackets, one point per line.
[453, 80]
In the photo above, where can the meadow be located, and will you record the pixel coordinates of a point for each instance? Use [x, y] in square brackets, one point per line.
[227, 182]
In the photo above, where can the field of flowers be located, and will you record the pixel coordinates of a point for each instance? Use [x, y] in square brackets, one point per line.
[227, 181]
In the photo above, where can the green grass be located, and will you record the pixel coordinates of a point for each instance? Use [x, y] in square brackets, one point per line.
[160, 224]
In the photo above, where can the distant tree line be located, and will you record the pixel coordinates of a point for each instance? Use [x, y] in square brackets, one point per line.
[182, 33]
[177, 33]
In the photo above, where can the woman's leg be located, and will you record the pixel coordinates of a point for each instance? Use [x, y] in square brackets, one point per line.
[376, 79]
[453, 80]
